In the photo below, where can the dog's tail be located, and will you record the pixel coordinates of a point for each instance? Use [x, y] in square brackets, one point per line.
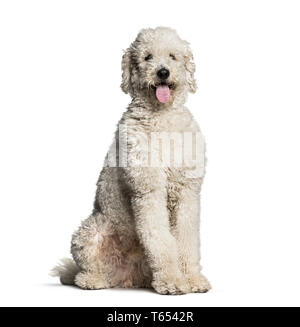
[66, 270]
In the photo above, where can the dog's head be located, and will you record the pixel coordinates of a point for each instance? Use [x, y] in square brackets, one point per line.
[158, 65]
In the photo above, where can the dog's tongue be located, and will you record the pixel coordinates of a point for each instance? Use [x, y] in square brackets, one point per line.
[163, 93]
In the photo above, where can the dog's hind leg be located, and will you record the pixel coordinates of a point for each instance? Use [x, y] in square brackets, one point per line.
[86, 246]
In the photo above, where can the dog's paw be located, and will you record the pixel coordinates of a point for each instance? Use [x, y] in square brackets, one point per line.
[171, 286]
[199, 283]
[90, 281]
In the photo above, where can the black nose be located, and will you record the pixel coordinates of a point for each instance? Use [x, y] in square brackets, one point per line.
[163, 73]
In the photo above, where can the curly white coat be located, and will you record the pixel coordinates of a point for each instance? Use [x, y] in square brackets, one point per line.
[144, 230]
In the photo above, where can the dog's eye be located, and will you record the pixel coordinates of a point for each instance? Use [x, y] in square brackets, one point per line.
[149, 57]
[172, 56]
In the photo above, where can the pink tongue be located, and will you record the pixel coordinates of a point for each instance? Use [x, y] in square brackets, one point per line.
[163, 93]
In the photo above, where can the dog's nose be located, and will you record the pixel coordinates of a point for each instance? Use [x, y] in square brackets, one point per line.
[163, 73]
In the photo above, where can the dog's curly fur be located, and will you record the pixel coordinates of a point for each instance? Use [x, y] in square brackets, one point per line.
[144, 230]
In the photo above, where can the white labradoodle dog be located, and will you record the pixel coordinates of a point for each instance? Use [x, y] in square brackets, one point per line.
[144, 230]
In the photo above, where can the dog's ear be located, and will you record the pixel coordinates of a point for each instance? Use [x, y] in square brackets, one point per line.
[190, 68]
[126, 72]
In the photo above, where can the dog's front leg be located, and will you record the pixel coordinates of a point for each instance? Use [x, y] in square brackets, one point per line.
[149, 204]
[188, 238]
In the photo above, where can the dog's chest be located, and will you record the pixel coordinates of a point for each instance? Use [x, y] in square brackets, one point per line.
[176, 142]
[168, 140]
[173, 121]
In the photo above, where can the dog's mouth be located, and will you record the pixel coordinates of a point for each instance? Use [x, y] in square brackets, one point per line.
[163, 91]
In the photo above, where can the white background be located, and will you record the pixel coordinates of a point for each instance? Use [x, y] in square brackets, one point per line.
[59, 104]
